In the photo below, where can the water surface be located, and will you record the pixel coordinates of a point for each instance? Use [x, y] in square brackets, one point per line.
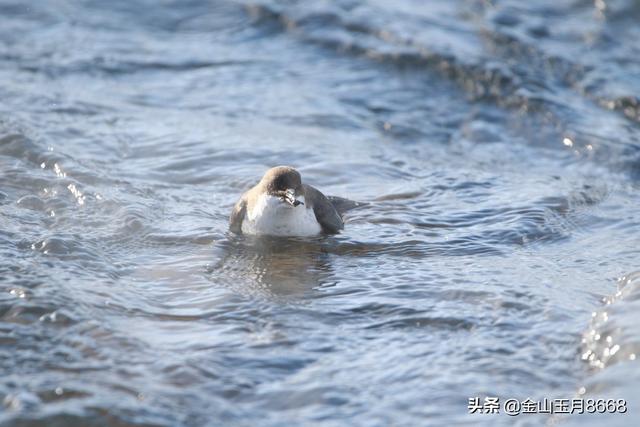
[497, 145]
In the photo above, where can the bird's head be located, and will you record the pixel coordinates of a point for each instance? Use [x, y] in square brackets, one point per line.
[285, 183]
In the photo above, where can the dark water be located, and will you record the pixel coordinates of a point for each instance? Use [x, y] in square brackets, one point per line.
[497, 144]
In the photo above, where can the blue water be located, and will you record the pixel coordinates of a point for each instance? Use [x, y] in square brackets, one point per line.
[497, 144]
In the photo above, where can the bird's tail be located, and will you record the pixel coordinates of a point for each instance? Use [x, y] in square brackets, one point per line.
[342, 205]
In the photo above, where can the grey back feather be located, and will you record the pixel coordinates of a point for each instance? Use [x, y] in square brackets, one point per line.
[325, 213]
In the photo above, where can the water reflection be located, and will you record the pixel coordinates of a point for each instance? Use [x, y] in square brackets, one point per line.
[272, 266]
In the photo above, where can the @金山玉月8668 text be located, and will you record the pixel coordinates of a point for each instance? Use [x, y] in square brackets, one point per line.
[493, 405]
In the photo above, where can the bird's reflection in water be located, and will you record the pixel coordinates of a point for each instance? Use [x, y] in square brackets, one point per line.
[272, 266]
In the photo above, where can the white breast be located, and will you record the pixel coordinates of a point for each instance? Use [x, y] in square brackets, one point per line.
[273, 217]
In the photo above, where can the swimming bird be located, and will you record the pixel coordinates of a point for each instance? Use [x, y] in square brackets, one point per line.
[281, 205]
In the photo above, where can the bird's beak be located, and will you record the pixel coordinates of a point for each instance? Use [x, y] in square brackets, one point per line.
[290, 197]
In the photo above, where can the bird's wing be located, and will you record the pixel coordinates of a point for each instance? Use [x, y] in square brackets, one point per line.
[325, 213]
[238, 214]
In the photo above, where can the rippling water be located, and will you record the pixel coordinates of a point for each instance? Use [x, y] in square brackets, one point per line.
[496, 143]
